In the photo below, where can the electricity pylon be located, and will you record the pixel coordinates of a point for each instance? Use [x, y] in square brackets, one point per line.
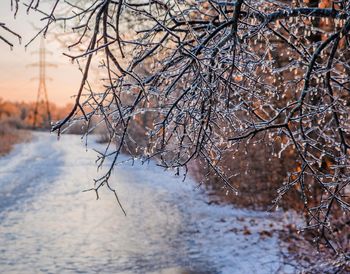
[42, 95]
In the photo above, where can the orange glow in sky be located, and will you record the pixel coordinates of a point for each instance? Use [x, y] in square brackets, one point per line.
[18, 81]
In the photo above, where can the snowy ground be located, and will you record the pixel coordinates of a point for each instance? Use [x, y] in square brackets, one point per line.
[48, 225]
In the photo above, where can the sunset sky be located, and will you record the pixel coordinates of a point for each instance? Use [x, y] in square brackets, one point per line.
[16, 77]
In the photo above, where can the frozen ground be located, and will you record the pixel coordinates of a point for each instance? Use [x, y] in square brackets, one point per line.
[48, 225]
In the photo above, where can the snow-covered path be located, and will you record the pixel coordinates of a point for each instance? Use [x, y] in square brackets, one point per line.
[48, 225]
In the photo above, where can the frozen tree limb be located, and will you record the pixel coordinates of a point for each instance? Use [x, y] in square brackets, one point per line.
[211, 77]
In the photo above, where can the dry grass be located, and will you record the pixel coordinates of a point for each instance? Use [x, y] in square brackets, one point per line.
[9, 138]
[311, 257]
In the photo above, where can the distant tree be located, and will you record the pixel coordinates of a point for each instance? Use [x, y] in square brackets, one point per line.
[215, 77]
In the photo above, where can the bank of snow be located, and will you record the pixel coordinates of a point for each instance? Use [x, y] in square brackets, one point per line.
[49, 225]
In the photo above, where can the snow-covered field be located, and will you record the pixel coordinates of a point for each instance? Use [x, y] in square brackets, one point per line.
[48, 225]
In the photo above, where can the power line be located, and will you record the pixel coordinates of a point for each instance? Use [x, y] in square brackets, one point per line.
[42, 99]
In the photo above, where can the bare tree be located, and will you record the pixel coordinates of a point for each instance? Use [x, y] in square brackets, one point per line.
[8, 31]
[214, 77]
